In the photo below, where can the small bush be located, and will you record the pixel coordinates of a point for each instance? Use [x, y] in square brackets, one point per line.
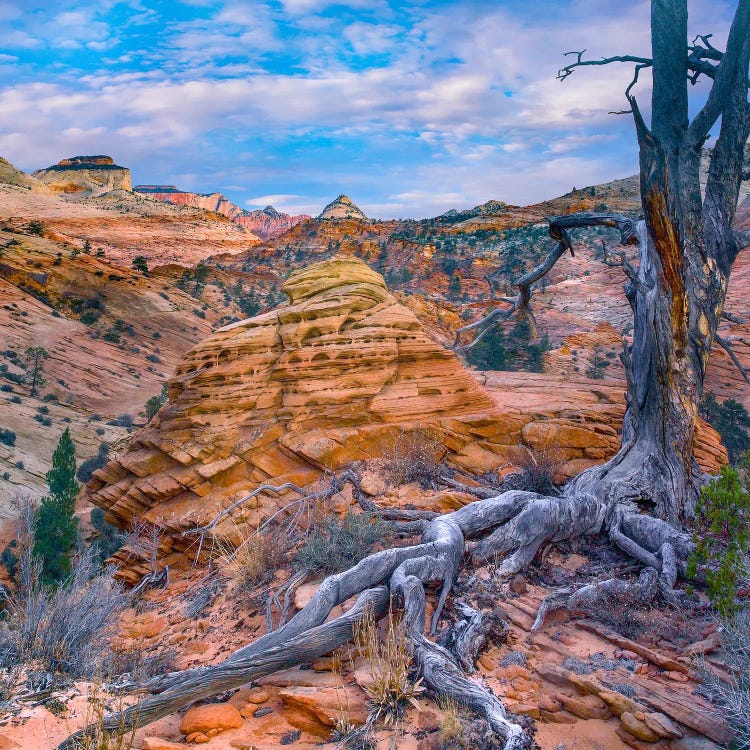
[732, 694]
[537, 471]
[416, 456]
[451, 729]
[109, 538]
[254, 561]
[124, 420]
[90, 465]
[722, 538]
[5, 388]
[334, 545]
[7, 437]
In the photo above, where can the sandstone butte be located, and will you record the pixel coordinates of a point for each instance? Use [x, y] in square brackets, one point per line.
[332, 377]
[85, 174]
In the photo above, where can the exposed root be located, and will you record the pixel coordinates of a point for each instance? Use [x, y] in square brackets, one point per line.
[467, 636]
[642, 591]
[514, 524]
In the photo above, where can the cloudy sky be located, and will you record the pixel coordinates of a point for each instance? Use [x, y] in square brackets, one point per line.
[410, 108]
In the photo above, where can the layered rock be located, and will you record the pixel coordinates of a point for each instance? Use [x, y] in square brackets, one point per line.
[88, 174]
[334, 376]
[266, 223]
[342, 208]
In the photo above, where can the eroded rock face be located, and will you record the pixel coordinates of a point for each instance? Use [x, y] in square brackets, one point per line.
[333, 377]
[265, 223]
[88, 174]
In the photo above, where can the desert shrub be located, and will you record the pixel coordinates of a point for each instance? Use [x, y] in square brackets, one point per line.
[64, 629]
[622, 612]
[139, 664]
[537, 469]
[9, 559]
[733, 693]
[123, 420]
[35, 227]
[15, 399]
[336, 544]
[722, 538]
[416, 456]
[5, 388]
[201, 598]
[7, 437]
[391, 689]
[90, 465]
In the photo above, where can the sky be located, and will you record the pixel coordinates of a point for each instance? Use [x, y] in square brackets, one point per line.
[410, 108]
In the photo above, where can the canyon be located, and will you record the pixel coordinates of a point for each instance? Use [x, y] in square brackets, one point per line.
[292, 357]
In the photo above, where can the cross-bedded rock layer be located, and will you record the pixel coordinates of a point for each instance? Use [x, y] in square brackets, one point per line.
[333, 377]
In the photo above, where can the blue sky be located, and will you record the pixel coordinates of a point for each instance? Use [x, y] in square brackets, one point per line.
[410, 108]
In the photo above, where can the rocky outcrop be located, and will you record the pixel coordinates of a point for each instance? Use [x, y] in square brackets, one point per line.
[10, 175]
[342, 208]
[85, 174]
[266, 223]
[334, 376]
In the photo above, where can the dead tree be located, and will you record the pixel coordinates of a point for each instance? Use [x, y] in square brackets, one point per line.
[686, 247]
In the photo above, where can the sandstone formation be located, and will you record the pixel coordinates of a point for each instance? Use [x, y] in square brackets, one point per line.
[334, 376]
[342, 208]
[9, 175]
[89, 174]
[266, 223]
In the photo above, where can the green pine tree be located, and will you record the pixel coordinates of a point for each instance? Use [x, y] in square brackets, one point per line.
[55, 531]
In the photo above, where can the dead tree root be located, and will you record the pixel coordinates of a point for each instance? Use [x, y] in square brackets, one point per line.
[512, 526]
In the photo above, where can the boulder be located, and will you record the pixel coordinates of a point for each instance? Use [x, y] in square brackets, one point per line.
[210, 716]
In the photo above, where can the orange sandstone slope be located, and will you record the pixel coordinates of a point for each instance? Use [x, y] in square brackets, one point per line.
[330, 378]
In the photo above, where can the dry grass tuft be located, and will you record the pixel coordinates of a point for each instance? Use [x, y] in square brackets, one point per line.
[98, 736]
[253, 561]
[391, 689]
[451, 729]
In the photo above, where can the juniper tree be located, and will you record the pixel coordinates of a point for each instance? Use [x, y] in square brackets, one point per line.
[35, 356]
[55, 530]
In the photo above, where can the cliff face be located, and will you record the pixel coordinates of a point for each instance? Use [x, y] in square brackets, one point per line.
[333, 377]
[266, 223]
[89, 174]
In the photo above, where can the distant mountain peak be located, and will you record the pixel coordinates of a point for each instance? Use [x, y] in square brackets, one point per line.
[342, 207]
[266, 223]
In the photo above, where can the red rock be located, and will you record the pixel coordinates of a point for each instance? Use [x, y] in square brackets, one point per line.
[210, 716]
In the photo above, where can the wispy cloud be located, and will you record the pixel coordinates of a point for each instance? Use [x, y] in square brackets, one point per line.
[409, 108]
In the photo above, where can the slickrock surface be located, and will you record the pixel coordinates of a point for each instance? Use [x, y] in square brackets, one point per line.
[334, 377]
[89, 174]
